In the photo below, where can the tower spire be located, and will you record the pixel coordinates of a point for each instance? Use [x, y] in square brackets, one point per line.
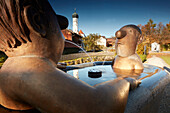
[75, 17]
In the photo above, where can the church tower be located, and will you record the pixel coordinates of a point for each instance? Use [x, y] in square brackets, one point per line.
[75, 17]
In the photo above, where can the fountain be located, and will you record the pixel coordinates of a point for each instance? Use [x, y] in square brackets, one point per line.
[92, 73]
[149, 79]
[81, 49]
[30, 82]
[144, 98]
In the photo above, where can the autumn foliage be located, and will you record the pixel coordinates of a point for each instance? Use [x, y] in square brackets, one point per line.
[153, 32]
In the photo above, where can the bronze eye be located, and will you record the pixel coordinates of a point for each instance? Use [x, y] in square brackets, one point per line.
[130, 31]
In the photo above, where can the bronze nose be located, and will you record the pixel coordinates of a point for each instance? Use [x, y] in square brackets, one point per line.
[120, 34]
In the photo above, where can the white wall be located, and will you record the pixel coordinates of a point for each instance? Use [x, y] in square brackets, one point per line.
[101, 41]
[155, 47]
[75, 25]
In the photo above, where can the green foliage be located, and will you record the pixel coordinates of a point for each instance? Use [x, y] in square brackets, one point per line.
[166, 47]
[90, 42]
[142, 57]
[1, 65]
[3, 57]
[140, 51]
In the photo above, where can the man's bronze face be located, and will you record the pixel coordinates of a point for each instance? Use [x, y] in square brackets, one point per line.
[126, 41]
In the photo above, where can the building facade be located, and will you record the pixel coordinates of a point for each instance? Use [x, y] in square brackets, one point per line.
[110, 42]
[102, 41]
[73, 37]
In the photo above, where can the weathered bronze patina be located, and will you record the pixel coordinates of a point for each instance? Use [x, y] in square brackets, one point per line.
[30, 34]
[127, 39]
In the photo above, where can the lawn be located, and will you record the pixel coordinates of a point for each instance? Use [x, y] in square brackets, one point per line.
[166, 59]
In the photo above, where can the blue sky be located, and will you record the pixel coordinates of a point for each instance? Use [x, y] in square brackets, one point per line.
[107, 16]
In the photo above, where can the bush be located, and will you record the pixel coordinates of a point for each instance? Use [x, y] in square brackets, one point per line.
[3, 57]
[165, 47]
[140, 49]
[142, 57]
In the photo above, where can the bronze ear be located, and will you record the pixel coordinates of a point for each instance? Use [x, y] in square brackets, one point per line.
[35, 21]
[120, 34]
[140, 38]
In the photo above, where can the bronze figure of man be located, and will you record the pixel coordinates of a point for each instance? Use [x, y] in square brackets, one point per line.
[127, 39]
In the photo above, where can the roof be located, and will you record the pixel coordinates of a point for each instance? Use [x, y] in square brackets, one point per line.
[104, 37]
[81, 32]
[111, 40]
[68, 34]
[75, 15]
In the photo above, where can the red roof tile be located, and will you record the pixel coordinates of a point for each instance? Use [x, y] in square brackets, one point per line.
[81, 32]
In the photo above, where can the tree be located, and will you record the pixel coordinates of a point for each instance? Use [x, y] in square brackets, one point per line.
[155, 33]
[90, 42]
[150, 31]
[168, 26]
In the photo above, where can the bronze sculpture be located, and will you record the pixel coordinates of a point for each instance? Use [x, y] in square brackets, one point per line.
[31, 37]
[127, 39]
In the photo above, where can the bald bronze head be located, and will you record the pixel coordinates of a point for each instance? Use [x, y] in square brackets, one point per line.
[30, 27]
[127, 40]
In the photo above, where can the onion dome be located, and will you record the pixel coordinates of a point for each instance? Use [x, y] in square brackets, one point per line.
[75, 15]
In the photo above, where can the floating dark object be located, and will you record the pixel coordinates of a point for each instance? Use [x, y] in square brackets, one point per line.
[94, 73]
